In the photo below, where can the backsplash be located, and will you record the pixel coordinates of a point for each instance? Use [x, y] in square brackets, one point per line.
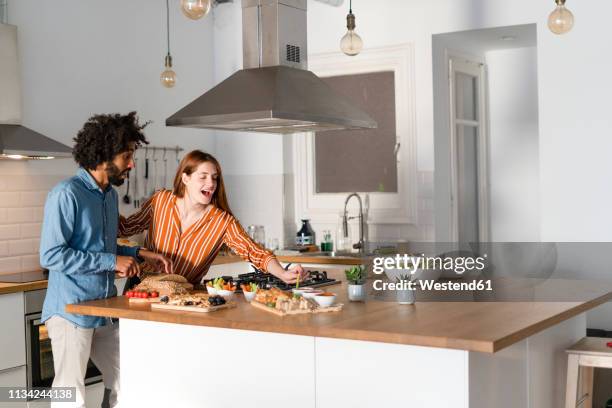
[23, 190]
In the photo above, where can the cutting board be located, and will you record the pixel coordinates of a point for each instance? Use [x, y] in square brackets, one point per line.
[261, 306]
[163, 306]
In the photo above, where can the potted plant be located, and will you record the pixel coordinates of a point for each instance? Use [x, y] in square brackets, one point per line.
[405, 296]
[356, 279]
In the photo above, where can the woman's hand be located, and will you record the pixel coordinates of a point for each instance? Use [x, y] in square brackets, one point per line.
[290, 275]
[157, 260]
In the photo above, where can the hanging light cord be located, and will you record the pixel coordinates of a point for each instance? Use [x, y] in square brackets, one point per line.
[168, 24]
[350, 6]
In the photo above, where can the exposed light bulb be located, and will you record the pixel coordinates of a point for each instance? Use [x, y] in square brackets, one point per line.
[561, 20]
[351, 44]
[168, 76]
[195, 9]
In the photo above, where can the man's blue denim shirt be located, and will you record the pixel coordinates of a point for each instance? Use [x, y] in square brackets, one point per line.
[79, 246]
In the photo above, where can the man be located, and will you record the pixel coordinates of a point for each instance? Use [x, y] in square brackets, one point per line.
[78, 246]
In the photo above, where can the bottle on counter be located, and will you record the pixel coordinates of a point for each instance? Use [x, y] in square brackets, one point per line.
[306, 235]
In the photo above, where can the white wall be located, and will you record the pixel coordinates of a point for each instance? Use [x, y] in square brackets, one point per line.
[513, 145]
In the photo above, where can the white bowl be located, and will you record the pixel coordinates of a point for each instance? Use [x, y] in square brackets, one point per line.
[211, 291]
[311, 293]
[226, 294]
[325, 301]
[249, 296]
[301, 291]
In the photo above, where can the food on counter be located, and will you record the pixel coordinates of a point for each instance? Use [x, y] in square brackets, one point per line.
[143, 294]
[325, 299]
[195, 299]
[251, 287]
[249, 291]
[277, 299]
[164, 284]
[220, 284]
[312, 293]
[216, 300]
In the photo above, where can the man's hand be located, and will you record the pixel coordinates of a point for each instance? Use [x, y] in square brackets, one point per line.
[127, 266]
[156, 260]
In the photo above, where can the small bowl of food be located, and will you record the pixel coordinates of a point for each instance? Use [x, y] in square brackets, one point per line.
[249, 291]
[301, 291]
[311, 293]
[211, 290]
[325, 299]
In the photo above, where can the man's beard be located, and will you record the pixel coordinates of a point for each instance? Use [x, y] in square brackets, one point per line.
[115, 175]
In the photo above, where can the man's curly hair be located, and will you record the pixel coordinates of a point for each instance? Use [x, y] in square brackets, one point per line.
[105, 136]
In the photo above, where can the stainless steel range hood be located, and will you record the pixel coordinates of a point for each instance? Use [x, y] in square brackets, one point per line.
[274, 93]
[17, 141]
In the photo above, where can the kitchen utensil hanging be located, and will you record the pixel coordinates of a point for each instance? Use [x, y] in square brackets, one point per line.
[154, 175]
[165, 185]
[135, 188]
[126, 197]
[146, 175]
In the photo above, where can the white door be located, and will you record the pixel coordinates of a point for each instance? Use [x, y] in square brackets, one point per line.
[469, 191]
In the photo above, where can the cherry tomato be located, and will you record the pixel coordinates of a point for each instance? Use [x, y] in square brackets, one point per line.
[129, 293]
[154, 294]
[145, 295]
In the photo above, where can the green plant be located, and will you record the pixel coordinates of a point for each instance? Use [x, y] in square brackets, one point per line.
[355, 275]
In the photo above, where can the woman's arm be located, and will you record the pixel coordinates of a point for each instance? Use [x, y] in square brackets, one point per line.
[137, 222]
[236, 238]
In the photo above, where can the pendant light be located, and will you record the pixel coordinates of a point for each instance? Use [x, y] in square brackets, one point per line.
[561, 20]
[168, 77]
[195, 9]
[351, 44]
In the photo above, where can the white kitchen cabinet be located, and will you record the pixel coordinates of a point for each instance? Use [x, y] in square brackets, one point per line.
[12, 338]
[13, 377]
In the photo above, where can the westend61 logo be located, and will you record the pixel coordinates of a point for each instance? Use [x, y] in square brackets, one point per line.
[411, 263]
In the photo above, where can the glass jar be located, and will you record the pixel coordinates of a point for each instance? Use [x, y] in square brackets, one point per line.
[327, 245]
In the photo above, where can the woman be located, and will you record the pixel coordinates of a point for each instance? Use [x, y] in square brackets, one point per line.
[190, 224]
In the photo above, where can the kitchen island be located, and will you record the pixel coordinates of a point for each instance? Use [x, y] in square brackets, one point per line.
[377, 353]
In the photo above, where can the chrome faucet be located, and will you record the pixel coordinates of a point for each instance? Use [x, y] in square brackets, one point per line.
[345, 218]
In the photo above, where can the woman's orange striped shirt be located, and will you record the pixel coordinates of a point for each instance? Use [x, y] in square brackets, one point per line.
[193, 250]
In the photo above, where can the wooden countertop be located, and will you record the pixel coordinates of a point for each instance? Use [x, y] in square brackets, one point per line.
[473, 326]
[6, 287]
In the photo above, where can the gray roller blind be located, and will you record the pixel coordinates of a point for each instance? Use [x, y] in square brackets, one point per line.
[360, 160]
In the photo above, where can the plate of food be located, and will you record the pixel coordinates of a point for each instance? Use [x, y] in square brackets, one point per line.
[193, 302]
[283, 303]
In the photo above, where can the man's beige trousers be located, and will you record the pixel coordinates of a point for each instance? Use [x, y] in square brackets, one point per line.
[72, 347]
